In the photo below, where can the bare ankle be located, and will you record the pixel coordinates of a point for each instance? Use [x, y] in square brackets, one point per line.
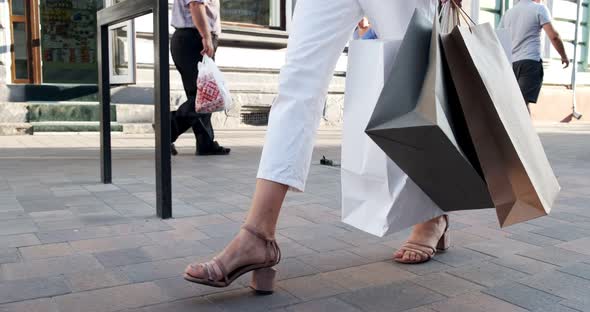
[268, 232]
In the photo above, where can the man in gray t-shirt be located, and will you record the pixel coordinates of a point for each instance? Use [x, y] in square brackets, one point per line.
[525, 22]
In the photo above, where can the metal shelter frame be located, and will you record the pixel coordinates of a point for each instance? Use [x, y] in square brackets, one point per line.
[120, 12]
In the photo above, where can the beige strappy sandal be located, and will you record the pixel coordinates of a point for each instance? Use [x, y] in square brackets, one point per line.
[426, 252]
[263, 274]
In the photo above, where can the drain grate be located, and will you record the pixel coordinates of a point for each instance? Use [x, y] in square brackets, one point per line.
[255, 116]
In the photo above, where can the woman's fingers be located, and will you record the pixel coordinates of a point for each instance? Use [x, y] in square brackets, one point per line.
[458, 2]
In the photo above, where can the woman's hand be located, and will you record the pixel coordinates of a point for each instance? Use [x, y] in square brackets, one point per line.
[458, 2]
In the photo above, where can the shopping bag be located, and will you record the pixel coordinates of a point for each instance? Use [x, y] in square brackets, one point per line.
[520, 179]
[377, 197]
[418, 123]
[212, 92]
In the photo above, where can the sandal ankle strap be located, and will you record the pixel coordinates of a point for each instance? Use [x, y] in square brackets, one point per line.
[271, 245]
[254, 232]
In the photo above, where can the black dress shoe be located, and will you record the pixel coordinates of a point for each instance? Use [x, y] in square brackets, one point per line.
[215, 149]
[173, 150]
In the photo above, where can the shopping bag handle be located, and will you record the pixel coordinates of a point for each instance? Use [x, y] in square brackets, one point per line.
[455, 14]
[462, 13]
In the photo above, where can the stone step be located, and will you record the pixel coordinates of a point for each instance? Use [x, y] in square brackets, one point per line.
[250, 110]
[72, 126]
[13, 113]
[64, 111]
[21, 128]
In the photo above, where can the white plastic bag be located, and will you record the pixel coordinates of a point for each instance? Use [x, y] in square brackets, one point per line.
[377, 196]
[212, 92]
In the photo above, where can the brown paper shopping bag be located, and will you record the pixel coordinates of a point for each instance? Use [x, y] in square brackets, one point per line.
[519, 176]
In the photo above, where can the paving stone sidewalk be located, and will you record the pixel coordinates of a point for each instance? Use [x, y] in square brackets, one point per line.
[69, 243]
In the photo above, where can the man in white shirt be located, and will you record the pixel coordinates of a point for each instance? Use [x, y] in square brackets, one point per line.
[525, 22]
[198, 25]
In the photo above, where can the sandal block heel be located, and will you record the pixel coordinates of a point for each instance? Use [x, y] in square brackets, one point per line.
[263, 280]
[444, 243]
[263, 274]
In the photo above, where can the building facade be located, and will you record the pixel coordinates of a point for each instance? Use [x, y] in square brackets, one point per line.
[52, 43]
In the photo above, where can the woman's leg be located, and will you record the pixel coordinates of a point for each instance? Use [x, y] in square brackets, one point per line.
[320, 31]
[266, 205]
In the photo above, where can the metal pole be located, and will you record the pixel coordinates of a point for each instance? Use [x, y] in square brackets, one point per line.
[104, 96]
[575, 112]
[162, 111]
[118, 13]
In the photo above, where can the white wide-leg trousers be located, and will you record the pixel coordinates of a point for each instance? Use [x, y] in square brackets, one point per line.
[319, 34]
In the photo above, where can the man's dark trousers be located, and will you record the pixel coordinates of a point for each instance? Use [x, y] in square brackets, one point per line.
[186, 46]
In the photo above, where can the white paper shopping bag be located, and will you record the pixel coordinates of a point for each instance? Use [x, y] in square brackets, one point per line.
[377, 196]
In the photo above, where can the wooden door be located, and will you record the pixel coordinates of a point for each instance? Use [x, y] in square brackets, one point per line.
[25, 43]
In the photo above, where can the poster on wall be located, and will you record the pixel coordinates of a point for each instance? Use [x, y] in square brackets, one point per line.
[68, 41]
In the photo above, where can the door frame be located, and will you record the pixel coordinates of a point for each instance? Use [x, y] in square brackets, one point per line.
[32, 30]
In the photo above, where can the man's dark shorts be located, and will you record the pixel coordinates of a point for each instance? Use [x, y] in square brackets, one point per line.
[529, 75]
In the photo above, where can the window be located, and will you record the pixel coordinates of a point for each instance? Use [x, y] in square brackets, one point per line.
[585, 32]
[254, 13]
[68, 41]
[491, 11]
[20, 52]
[583, 36]
[122, 51]
[564, 21]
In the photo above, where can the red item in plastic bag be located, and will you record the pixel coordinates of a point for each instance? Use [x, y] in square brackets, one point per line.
[209, 98]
